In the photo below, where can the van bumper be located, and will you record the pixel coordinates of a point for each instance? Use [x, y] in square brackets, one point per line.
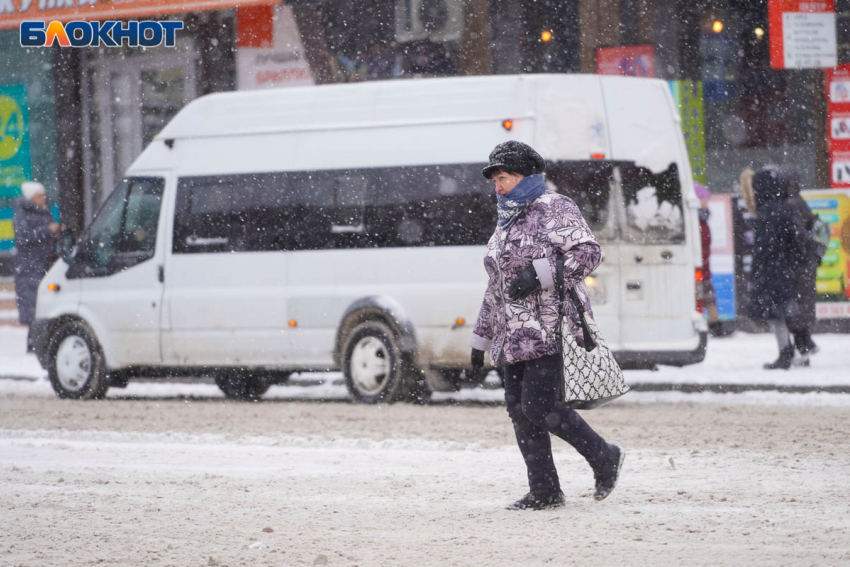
[37, 340]
[640, 360]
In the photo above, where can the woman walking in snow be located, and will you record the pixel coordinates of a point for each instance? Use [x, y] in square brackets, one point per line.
[519, 320]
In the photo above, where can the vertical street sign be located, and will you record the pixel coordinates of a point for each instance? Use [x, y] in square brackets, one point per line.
[802, 34]
[838, 124]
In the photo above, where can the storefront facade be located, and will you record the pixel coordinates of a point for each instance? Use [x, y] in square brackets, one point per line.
[88, 112]
[28, 134]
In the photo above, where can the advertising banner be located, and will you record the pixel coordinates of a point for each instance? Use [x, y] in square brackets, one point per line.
[688, 96]
[833, 207]
[15, 164]
[270, 56]
[631, 61]
[722, 259]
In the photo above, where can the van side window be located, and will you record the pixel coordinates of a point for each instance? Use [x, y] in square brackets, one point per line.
[252, 213]
[365, 208]
[142, 216]
[588, 183]
[203, 215]
[124, 231]
[440, 205]
[653, 205]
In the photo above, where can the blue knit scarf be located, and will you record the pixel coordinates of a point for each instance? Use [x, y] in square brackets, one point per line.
[512, 204]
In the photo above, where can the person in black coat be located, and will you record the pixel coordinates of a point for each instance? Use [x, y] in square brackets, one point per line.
[778, 248]
[805, 269]
[35, 241]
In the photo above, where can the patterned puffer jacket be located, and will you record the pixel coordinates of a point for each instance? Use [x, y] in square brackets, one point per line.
[517, 331]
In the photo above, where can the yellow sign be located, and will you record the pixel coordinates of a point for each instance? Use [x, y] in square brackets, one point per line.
[834, 209]
[11, 127]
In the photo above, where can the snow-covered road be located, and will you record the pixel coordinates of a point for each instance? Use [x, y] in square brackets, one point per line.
[186, 482]
[169, 473]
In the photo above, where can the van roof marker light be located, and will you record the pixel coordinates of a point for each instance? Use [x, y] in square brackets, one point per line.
[508, 124]
[293, 323]
[597, 156]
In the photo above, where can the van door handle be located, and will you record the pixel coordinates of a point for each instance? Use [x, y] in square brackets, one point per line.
[161, 274]
[633, 286]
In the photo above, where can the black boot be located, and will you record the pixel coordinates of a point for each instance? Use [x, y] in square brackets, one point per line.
[786, 355]
[608, 472]
[539, 500]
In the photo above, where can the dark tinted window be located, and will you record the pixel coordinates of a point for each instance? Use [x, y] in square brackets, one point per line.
[588, 183]
[433, 206]
[388, 207]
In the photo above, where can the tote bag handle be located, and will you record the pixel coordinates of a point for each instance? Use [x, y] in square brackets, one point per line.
[589, 343]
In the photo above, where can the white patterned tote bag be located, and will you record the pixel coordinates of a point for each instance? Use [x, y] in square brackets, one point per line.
[592, 377]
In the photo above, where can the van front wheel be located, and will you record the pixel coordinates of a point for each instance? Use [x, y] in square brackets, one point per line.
[373, 364]
[75, 363]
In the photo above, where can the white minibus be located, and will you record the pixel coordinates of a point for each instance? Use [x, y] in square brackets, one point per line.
[343, 228]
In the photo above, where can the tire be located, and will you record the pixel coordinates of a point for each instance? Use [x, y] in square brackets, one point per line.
[75, 363]
[374, 367]
[241, 386]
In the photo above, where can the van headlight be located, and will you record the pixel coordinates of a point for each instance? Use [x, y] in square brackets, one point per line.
[595, 290]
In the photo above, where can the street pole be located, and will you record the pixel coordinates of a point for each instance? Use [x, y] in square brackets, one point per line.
[823, 177]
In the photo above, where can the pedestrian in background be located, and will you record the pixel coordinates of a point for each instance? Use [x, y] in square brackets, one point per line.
[805, 268]
[36, 239]
[746, 183]
[778, 246]
[519, 320]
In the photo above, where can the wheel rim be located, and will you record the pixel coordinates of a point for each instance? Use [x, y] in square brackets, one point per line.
[73, 363]
[370, 365]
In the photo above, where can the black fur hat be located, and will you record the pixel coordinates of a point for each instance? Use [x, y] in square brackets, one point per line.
[514, 157]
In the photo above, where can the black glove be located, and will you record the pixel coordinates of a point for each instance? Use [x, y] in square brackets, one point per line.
[525, 283]
[477, 359]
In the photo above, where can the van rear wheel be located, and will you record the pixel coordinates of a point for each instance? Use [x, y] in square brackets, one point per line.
[373, 364]
[75, 363]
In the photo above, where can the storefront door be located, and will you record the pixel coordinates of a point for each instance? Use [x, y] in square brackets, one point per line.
[133, 99]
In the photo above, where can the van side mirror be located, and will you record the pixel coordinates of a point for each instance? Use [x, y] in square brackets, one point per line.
[67, 245]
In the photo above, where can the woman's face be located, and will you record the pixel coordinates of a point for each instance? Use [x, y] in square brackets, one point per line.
[504, 181]
[39, 200]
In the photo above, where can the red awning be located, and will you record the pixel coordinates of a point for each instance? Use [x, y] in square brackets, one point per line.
[112, 9]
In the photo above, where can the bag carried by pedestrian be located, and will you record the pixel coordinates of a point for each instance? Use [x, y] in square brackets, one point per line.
[591, 375]
[820, 234]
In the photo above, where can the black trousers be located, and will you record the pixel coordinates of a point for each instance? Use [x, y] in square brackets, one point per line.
[532, 391]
